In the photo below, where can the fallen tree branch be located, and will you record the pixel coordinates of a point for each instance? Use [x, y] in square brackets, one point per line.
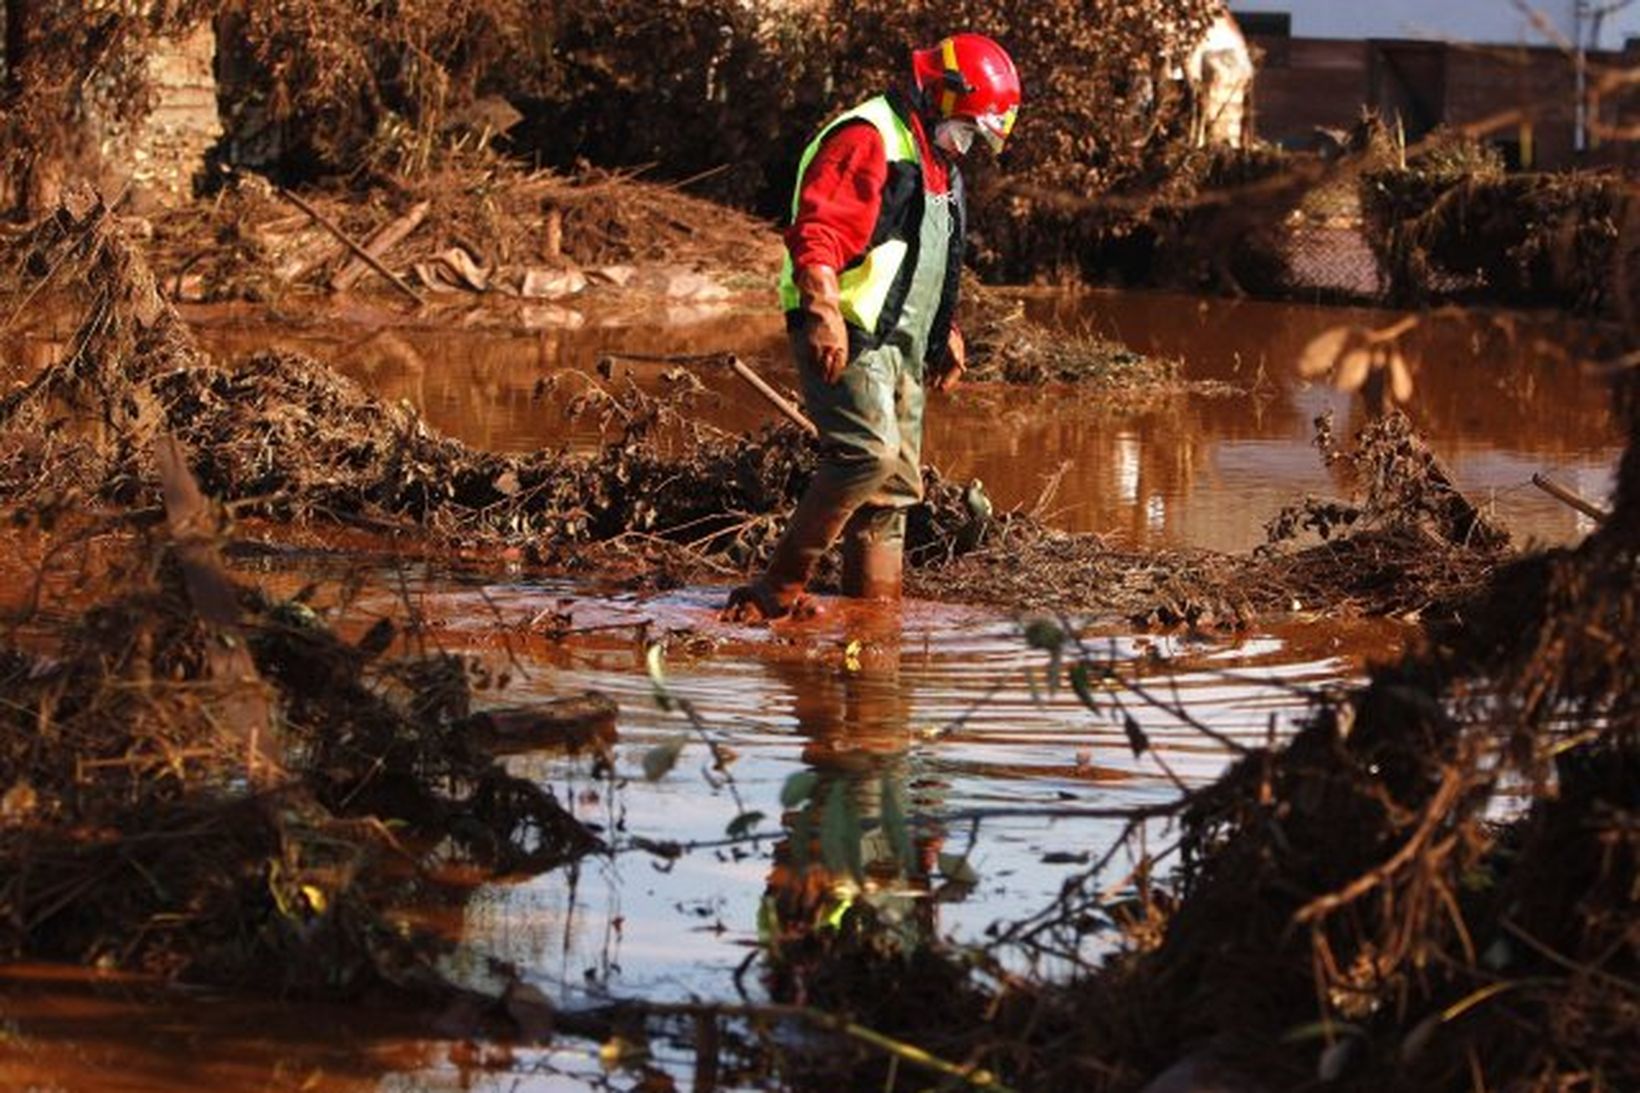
[604, 1021]
[353, 245]
[1575, 500]
[379, 244]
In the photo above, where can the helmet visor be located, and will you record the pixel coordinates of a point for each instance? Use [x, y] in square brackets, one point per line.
[995, 128]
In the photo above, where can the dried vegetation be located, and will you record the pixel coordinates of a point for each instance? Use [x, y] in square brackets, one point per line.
[1451, 223]
[479, 226]
[1433, 886]
[1391, 931]
[719, 92]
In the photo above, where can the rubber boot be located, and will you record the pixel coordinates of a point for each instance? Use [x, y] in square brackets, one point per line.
[874, 555]
[817, 520]
[873, 570]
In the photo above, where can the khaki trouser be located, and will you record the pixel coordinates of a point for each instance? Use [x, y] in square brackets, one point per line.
[870, 470]
[871, 426]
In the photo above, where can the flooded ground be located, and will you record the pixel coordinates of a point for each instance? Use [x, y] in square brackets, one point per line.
[945, 710]
[1498, 396]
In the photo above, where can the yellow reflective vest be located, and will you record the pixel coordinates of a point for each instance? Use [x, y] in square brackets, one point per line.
[874, 286]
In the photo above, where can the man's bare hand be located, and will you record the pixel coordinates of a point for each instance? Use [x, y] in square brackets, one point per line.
[956, 361]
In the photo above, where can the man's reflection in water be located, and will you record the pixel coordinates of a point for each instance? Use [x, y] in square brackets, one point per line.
[853, 863]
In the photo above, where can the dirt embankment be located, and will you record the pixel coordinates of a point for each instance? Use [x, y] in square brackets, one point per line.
[478, 229]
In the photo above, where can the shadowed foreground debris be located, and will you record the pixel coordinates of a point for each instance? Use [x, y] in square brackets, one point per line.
[145, 825]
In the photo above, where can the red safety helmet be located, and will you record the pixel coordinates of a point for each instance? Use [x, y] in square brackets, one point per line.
[970, 77]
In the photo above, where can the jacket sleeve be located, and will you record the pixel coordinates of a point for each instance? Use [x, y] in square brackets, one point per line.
[839, 199]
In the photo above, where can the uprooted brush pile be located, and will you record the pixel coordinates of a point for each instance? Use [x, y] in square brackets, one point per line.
[1443, 231]
[1403, 542]
[476, 226]
[1006, 346]
[286, 436]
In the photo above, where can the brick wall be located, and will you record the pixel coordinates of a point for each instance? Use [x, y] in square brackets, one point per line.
[1481, 84]
[1306, 83]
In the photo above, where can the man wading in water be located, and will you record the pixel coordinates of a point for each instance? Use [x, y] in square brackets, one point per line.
[874, 256]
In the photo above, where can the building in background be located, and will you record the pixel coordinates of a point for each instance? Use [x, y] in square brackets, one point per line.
[1464, 62]
[1599, 24]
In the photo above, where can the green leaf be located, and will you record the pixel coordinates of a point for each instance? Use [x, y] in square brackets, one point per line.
[1044, 634]
[746, 821]
[798, 788]
[1082, 684]
[1137, 740]
[661, 758]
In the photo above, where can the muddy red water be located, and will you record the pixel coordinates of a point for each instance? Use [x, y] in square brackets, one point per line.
[946, 709]
[1499, 396]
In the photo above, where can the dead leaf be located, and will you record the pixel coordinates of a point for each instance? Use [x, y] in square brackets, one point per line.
[1400, 379]
[1353, 368]
[1323, 351]
[453, 270]
[18, 804]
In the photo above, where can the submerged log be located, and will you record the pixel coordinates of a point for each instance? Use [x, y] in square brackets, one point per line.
[574, 723]
[1575, 500]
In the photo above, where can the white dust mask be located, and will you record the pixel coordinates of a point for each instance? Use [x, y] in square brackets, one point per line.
[955, 136]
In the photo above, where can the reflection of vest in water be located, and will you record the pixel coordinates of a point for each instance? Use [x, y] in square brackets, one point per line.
[904, 260]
